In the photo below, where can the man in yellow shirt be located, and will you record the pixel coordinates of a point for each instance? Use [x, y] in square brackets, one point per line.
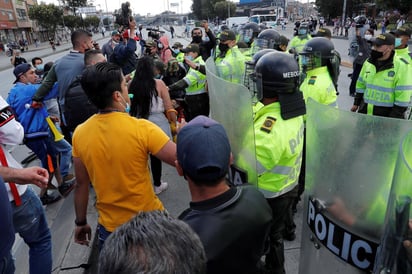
[111, 150]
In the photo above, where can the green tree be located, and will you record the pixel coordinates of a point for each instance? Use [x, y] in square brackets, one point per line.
[206, 9]
[74, 4]
[48, 16]
[92, 21]
[72, 22]
[404, 6]
[225, 9]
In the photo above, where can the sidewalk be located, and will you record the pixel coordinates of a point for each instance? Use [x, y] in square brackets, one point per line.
[45, 50]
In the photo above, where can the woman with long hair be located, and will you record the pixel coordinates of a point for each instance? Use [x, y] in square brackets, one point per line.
[150, 101]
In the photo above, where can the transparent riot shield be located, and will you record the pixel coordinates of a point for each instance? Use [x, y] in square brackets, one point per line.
[392, 256]
[231, 105]
[350, 165]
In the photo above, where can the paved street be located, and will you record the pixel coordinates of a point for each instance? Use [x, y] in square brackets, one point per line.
[175, 199]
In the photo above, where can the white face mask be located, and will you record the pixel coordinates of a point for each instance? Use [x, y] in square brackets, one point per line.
[368, 36]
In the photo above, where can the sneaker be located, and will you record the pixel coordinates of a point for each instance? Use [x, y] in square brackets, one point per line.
[69, 178]
[65, 188]
[47, 199]
[159, 189]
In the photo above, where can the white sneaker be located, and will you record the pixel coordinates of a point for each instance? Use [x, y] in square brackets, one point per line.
[159, 189]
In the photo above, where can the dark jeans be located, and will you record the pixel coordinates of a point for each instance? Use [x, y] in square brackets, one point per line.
[275, 259]
[42, 147]
[156, 168]
[355, 75]
[103, 234]
[196, 105]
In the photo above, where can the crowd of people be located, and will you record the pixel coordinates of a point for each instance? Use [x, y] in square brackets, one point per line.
[111, 111]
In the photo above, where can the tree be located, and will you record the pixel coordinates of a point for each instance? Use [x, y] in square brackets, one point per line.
[74, 4]
[48, 16]
[206, 9]
[92, 21]
[403, 6]
[72, 22]
[225, 9]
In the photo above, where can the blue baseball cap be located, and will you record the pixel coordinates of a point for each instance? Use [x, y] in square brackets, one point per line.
[21, 69]
[203, 150]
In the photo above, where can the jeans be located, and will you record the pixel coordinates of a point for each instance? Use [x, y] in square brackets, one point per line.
[103, 234]
[42, 147]
[30, 222]
[65, 150]
[7, 264]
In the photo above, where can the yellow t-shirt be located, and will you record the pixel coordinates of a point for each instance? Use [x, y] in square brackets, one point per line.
[114, 147]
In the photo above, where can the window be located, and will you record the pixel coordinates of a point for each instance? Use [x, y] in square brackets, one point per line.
[10, 14]
[21, 14]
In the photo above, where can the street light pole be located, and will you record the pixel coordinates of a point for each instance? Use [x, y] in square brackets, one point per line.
[343, 17]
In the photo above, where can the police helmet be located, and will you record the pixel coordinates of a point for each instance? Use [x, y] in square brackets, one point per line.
[250, 68]
[249, 32]
[267, 39]
[303, 29]
[317, 52]
[277, 75]
[262, 27]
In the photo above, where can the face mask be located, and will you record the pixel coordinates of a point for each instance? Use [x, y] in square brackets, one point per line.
[160, 45]
[127, 106]
[375, 55]
[158, 76]
[176, 51]
[246, 39]
[189, 57]
[197, 39]
[40, 67]
[223, 47]
[368, 36]
[398, 42]
[302, 32]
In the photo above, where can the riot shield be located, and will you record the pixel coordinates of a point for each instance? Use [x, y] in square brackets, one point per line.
[392, 255]
[231, 105]
[350, 166]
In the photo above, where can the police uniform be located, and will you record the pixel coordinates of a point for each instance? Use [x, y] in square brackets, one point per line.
[278, 127]
[231, 66]
[387, 89]
[318, 85]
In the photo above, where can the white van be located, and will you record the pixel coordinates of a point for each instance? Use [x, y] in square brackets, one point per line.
[268, 19]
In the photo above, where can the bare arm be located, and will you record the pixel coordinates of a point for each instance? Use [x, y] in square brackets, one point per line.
[82, 233]
[167, 154]
[164, 94]
[23, 176]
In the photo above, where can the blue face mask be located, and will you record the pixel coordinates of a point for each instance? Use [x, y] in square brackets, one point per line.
[40, 67]
[127, 106]
[189, 57]
[158, 76]
[176, 51]
[398, 42]
[246, 39]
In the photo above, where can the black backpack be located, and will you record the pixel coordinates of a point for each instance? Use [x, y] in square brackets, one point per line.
[77, 107]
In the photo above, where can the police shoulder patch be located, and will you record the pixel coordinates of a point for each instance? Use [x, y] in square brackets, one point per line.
[268, 124]
[312, 80]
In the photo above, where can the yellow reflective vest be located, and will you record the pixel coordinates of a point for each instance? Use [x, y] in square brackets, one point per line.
[232, 66]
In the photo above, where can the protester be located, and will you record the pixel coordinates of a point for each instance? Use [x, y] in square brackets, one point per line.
[110, 151]
[153, 242]
[239, 217]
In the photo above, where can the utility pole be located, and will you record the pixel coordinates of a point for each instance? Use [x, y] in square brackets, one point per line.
[343, 17]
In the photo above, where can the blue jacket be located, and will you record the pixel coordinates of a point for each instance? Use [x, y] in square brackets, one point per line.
[124, 56]
[32, 120]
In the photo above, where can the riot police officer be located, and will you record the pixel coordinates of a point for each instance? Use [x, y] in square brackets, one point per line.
[278, 127]
[297, 42]
[318, 63]
[267, 39]
[248, 33]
